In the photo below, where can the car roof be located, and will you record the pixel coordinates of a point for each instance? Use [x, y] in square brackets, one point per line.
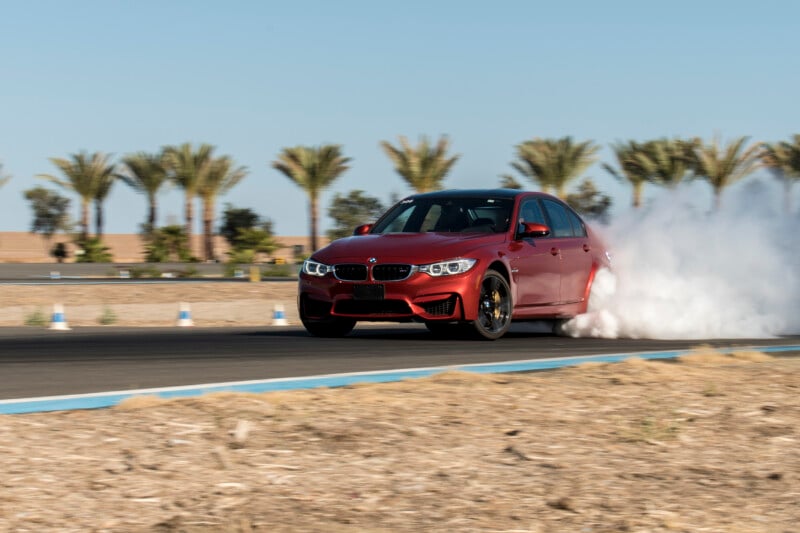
[478, 193]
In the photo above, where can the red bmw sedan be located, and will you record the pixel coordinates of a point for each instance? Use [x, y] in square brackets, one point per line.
[480, 258]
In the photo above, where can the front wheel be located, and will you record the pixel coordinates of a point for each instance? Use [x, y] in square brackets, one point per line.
[494, 307]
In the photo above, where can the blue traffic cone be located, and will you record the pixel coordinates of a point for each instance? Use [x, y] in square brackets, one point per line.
[58, 321]
[185, 315]
[279, 317]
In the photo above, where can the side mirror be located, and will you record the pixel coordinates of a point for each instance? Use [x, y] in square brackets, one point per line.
[363, 229]
[533, 229]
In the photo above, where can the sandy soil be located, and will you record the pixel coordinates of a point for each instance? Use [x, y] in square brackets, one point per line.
[709, 443]
[211, 304]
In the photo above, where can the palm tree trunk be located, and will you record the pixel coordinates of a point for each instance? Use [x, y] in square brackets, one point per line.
[208, 228]
[151, 215]
[787, 195]
[98, 219]
[717, 198]
[189, 214]
[84, 220]
[313, 212]
[637, 194]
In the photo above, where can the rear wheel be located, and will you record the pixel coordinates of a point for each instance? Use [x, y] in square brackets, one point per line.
[326, 327]
[494, 307]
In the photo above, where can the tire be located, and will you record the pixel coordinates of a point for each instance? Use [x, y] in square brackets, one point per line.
[494, 307]
[326, 327]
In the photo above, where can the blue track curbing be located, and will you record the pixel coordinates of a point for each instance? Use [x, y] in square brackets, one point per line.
[108, 399]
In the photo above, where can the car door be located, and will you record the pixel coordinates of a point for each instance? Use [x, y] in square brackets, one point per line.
[570, 238]
[535, 267]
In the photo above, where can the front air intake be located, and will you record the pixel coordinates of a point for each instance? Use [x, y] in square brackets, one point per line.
[372, 307]
[440, 307]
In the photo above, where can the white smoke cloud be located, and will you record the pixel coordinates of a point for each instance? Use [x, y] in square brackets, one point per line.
[681, 272]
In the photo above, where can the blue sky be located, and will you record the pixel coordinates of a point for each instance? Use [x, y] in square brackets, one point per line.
[252, 77]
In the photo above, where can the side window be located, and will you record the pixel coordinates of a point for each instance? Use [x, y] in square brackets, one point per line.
[578, 228]
[530, 211]
[559, 220]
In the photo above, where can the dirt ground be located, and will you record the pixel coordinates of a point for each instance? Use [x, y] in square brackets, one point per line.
[707, 443]
[211, 303]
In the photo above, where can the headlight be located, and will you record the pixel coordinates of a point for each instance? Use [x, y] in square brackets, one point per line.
[312, 268]
[448, 268]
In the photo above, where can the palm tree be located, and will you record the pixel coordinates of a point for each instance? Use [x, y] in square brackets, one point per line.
[187, 168]
[105, 179]
[671, 160]
[553, 163]
[589, 201]
[635, 167]
[794, 163]
[783, 160]
[507, 181]
[86, 176]
[219, 179]
[312, 169]
[721, 166]
[146, 173]
[3, 179]
[423, 167]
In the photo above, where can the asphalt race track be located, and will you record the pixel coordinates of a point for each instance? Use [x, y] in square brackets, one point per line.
[39, 362]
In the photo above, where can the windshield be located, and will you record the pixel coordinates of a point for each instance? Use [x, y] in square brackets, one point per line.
[447, 214]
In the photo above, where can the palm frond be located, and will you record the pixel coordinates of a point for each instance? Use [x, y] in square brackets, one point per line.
[424, 166]
[3, 179]
[221, 177]
[722, 166]
[186, 166]
[144, 172]
[553, 163]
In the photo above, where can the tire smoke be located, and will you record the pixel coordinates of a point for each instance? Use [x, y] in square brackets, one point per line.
[680, 272]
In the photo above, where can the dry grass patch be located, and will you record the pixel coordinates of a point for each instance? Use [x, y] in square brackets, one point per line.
[707, 355]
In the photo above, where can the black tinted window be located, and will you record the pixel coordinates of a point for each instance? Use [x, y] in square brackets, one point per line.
[559, 220]
[447, 214]
[578, 229]
[530, 211]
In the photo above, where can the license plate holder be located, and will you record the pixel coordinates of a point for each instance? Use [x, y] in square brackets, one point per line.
[368, 292]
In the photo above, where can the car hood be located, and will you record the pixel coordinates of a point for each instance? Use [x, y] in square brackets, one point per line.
[413, 248]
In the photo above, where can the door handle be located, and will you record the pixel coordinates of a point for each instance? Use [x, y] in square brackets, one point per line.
[586, 247]
[554, 251]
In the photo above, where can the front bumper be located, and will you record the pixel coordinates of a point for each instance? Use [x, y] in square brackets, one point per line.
[420, 297]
